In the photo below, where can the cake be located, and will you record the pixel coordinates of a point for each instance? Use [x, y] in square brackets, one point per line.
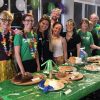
[60, 75]
[75, 60]
[93, 59]
[66, 68]
[23, 78]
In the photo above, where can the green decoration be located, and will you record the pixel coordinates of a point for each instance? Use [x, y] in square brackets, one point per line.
[35, 4]
[51, 6]
[49, 65]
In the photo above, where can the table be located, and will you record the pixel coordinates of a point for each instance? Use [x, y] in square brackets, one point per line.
[79, 89]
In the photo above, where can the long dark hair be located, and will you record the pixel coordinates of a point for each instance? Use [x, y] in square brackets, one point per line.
[44, 17]
[61, 26]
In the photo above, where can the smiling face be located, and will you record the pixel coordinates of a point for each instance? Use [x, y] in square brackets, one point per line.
[28, 22]
[6, 19]
[69, 26]
[55, 15]
[57, 29]
[84, 25]
[43, 25]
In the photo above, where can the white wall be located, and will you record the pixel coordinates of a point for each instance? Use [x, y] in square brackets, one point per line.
[69, 15]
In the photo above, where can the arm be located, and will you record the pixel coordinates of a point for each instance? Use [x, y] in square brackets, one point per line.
[93, 46]
[78, 49]
[18, 58]
[64, 48]
[37, 61]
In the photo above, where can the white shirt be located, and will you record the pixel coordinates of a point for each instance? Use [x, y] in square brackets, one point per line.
[57, 47]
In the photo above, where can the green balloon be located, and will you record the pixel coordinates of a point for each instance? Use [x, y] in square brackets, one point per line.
[35, 4]
[51, 6]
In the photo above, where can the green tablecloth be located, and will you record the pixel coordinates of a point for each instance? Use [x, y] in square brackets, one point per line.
[79, 89]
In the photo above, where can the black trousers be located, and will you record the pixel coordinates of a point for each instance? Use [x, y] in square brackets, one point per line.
[29, 66]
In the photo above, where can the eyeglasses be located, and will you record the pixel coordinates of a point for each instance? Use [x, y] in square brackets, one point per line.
[6, 20]
[29, 20]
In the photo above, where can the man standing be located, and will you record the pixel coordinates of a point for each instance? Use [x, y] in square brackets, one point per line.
[55, 15]
[96, 27]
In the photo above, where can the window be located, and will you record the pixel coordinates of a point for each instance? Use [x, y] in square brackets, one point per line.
[89, 9]
[77, 13]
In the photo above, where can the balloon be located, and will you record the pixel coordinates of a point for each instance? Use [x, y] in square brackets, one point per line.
[35, 4]
[51, 6]
[1, 3]
[61, 6]
[20, 5]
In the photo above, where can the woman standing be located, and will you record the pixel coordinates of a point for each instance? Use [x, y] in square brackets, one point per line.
[73, 39]
[6, 46]
[58, 44]
[86, 37]
[43, 39]
[25, 46]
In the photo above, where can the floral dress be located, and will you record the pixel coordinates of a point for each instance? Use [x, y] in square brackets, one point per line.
[7, 70]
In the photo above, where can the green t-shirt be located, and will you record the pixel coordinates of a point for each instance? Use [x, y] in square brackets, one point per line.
[97, 28]
[25, 52]
[86, 41]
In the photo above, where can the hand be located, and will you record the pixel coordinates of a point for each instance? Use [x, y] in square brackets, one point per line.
[17, 31]
[23, 72]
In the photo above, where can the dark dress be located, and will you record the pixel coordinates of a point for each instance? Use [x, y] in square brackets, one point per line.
[72, 45]
[43, 48]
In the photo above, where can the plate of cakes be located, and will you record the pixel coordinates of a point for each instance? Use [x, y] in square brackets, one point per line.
[27, 78]
[75, 60]
[94, 59]
[92, 67]
[71, 76]
[66, 68]
[75, 76]
[51, 85]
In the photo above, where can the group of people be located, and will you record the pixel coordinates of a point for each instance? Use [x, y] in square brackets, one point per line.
[30, 48]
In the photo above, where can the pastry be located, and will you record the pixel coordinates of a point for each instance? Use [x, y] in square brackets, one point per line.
[23, 78]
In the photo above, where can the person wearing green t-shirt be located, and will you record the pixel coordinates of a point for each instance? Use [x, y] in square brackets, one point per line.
[96, 27]
[25, 47]
[95, 38]
[86, 37]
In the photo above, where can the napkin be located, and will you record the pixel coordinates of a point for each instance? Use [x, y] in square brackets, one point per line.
[45, 88]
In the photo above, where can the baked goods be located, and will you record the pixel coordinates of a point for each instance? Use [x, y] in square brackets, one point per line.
[66, 68]
[60, 75]
[92, 67]
[23, 78]
[56, 84]
[74, 60]
[75, 76]
[39, 75]
[93, 59]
